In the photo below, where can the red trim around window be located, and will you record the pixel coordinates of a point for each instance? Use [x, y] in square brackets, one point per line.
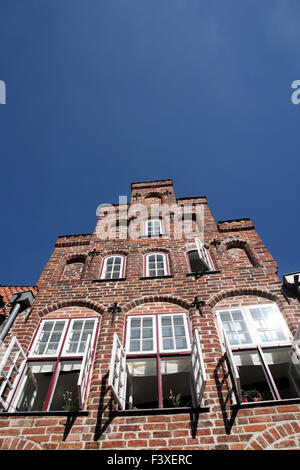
[58, 357]
[158, 355]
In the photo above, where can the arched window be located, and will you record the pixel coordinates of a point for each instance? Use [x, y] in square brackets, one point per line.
[157, 265]
[153, 227]
[113, 267]
[55, 374]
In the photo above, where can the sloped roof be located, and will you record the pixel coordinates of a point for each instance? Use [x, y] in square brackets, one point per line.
[6, 292]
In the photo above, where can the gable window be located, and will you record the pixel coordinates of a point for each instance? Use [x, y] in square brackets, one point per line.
[259, 350]
[157, 265]
[55, 375]
[153, 227]
[113, 267]
[199, 259]
[160, 367]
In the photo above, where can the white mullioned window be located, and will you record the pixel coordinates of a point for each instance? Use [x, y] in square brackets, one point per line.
[159, 367]
[113, 267]
[156, 264]
[259, 349]
[153, 227]
[56, 372]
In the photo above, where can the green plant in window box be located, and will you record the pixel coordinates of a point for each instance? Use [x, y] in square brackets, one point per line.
[175, 399]
[70, 403]
[251, 395]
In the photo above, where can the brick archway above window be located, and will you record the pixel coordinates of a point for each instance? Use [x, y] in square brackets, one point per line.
[156, 299]
[72, 303]
[245, 291]
[279, 437]
[14, 443]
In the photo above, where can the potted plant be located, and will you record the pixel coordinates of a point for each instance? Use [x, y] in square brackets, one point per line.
[69, 403]
[251, 395]
[175, 399]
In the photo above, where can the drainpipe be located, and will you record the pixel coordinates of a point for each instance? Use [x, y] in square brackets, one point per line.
[19, 302]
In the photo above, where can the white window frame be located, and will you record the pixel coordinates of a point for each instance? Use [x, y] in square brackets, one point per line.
[68, 336]
[165, 261]
[60, 357]
[198, 369]
[104, 267]
[245, 310]
[204, 254]
[117, 378]
[128, 330]
[193, 351]
[32, 348]
[157, 334]
[8, 367]
[160, 337]
[149, 227]
[256, 344]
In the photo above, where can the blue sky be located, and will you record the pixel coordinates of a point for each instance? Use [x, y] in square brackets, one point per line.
[101, 93]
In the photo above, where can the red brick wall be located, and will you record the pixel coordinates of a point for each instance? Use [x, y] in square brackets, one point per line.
[242, 280]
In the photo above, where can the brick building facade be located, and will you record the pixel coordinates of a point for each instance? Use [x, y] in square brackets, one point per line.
[201, 321]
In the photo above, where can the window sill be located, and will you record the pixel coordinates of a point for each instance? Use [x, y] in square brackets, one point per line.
[156, 277]
[161, 235]
[160, 411]
[110, 280]
[256, 404]
[45, 413]
[202, 273]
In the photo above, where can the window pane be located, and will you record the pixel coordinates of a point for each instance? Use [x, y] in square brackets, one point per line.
[147, 322]
[268, 325]
[178, 320]
[284, 371]
[35, 386]
[254, 383]
[176, 381]
[147, 333]
[49, 338]
[142, 387]
[180, 343]
[135, 322]
[65, 396]
[167, 331]
[135, 333]
[235, 327]
[179, 331]
[173, 332]
[134, 346]
[168, 344]
[147, 345]
[166, 321]
[78, 335]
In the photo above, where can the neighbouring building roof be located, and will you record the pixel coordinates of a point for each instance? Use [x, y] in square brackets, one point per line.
[6, 293]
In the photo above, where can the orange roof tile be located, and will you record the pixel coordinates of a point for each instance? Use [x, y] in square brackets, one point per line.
[6, 292]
